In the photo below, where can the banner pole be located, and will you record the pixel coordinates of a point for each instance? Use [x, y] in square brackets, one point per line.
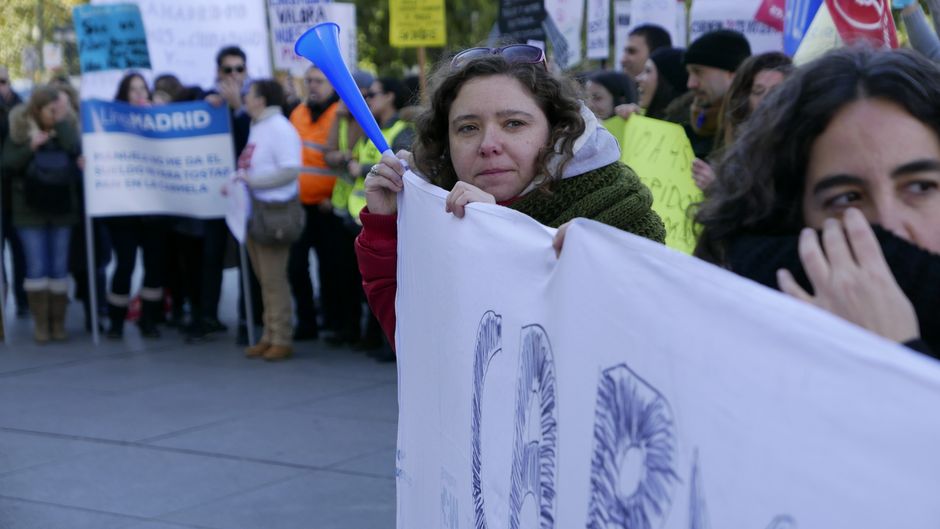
[246, 288]
[92, 278]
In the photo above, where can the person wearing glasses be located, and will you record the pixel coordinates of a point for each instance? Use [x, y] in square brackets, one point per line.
[501, 129]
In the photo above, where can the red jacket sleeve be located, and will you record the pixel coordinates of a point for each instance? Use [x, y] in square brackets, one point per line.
[377, 252]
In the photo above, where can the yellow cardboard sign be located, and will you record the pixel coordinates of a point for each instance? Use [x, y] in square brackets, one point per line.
[660, 153]
[415, 23]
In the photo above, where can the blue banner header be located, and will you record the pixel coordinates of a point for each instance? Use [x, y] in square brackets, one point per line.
[176, 120]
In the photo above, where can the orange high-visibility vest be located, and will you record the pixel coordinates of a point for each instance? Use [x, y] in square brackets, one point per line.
[316, 178]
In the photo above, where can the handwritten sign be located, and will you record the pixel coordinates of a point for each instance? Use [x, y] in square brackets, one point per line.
[415, 23]
[110, 37]
[661, 155]
[598, 29]
[291, 18]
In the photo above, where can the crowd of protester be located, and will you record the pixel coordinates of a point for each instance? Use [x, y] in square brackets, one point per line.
[802, 192]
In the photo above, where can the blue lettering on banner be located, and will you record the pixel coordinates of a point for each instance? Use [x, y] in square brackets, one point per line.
[178, 120]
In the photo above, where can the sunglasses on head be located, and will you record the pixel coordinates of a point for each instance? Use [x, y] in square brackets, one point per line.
[229, 69]
[514, 53]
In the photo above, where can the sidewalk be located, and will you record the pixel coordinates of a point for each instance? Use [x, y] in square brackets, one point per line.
[164, 435]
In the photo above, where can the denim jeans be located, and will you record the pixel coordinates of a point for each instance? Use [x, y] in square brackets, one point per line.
[46, 250]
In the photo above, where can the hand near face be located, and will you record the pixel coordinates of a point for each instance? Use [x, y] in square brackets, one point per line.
[384, 182]
[38, 139]
[852, 279]
[463, 194]
[626, 110]
[231, 91]
[702, 173]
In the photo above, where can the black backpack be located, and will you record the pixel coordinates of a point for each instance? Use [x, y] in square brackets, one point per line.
[49, 180]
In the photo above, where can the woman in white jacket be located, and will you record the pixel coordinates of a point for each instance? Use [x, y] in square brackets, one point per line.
[269, 164]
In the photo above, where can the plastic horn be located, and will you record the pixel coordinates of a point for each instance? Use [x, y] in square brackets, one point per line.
[320, 45]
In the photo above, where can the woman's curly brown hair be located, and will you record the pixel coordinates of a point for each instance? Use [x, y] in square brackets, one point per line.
[758, 189]
[554, 96]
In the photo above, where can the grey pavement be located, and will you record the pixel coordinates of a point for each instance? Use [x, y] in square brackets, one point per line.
[164, 435]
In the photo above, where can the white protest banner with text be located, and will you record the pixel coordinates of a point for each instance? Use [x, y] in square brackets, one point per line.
[598, 29]
[622, 27]
[627, 385]
[738, 15]
[661, 13]
[161, 160]
[184, 36]
[291, 18]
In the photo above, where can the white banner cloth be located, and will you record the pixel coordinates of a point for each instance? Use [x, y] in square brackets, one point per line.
[628, 385]
[709, 15]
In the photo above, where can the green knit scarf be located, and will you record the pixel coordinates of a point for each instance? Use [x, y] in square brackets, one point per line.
[612, 194]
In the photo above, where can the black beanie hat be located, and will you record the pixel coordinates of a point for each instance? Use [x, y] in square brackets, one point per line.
[725, 49]
[620, 85]
[670, 65]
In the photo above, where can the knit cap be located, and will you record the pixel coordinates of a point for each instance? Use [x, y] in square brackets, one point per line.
[724, 49]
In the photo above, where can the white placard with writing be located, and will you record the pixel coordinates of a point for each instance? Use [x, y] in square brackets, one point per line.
[291, 18]
[737, 15]
[598, 29]
[628, 385]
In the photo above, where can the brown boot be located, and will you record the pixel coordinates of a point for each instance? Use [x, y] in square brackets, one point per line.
[58, 303]
[257, 350]
[278, 352]
[39, 307]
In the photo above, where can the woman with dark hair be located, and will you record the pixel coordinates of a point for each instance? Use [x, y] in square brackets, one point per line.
[753, 80]
[128, 233]
[269, 165]
[40, 159]
[501, 129]
[850, 139]
[661, 86]
[604, 92]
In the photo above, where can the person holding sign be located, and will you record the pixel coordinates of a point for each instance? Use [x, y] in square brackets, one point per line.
[501, 129]
[40, 159]
[850, 139]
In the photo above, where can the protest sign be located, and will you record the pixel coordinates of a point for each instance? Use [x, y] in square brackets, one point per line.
[564, 23]
[110, 37]
[291, 18]
[662, 13]
[598, 29]
[868, 21]
[772, 13]
[238, 210]
[662, 157]
[799, 14]
[415, 23]
[622, 26]
[163, 160]
[821, 36]
[522, 19]
[627, 385]
[185, 35]
[739, 16]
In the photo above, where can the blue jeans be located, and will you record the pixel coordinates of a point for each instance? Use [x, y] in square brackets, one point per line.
[46, 250]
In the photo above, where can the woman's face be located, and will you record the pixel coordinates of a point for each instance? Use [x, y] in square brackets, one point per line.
[764, 81]
[599, 100]
[876, 157]
[496, 130]
[49, 114]
[378, 99]
[646, 83]
[254, 104]
[137, 92]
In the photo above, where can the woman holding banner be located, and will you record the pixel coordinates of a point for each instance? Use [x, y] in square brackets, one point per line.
[40, 159]
[850, 139]
[129, 233]
[502, 130]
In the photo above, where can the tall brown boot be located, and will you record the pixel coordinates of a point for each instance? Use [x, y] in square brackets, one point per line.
[39, 307]
[58, 303]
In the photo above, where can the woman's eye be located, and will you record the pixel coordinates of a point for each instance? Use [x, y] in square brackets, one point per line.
[843, 200]
[464, 129]
[514, 123]
[920, 187]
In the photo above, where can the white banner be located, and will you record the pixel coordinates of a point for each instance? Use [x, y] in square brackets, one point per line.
[568, 18]
[709, 15]
[161, 160]
[658, 12]
[183, 36]
[622, 26]
[598, 29]
[628, 385]
[291, 18]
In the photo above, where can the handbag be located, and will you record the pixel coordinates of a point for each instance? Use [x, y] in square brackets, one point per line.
[50, 177]
[276, 222]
